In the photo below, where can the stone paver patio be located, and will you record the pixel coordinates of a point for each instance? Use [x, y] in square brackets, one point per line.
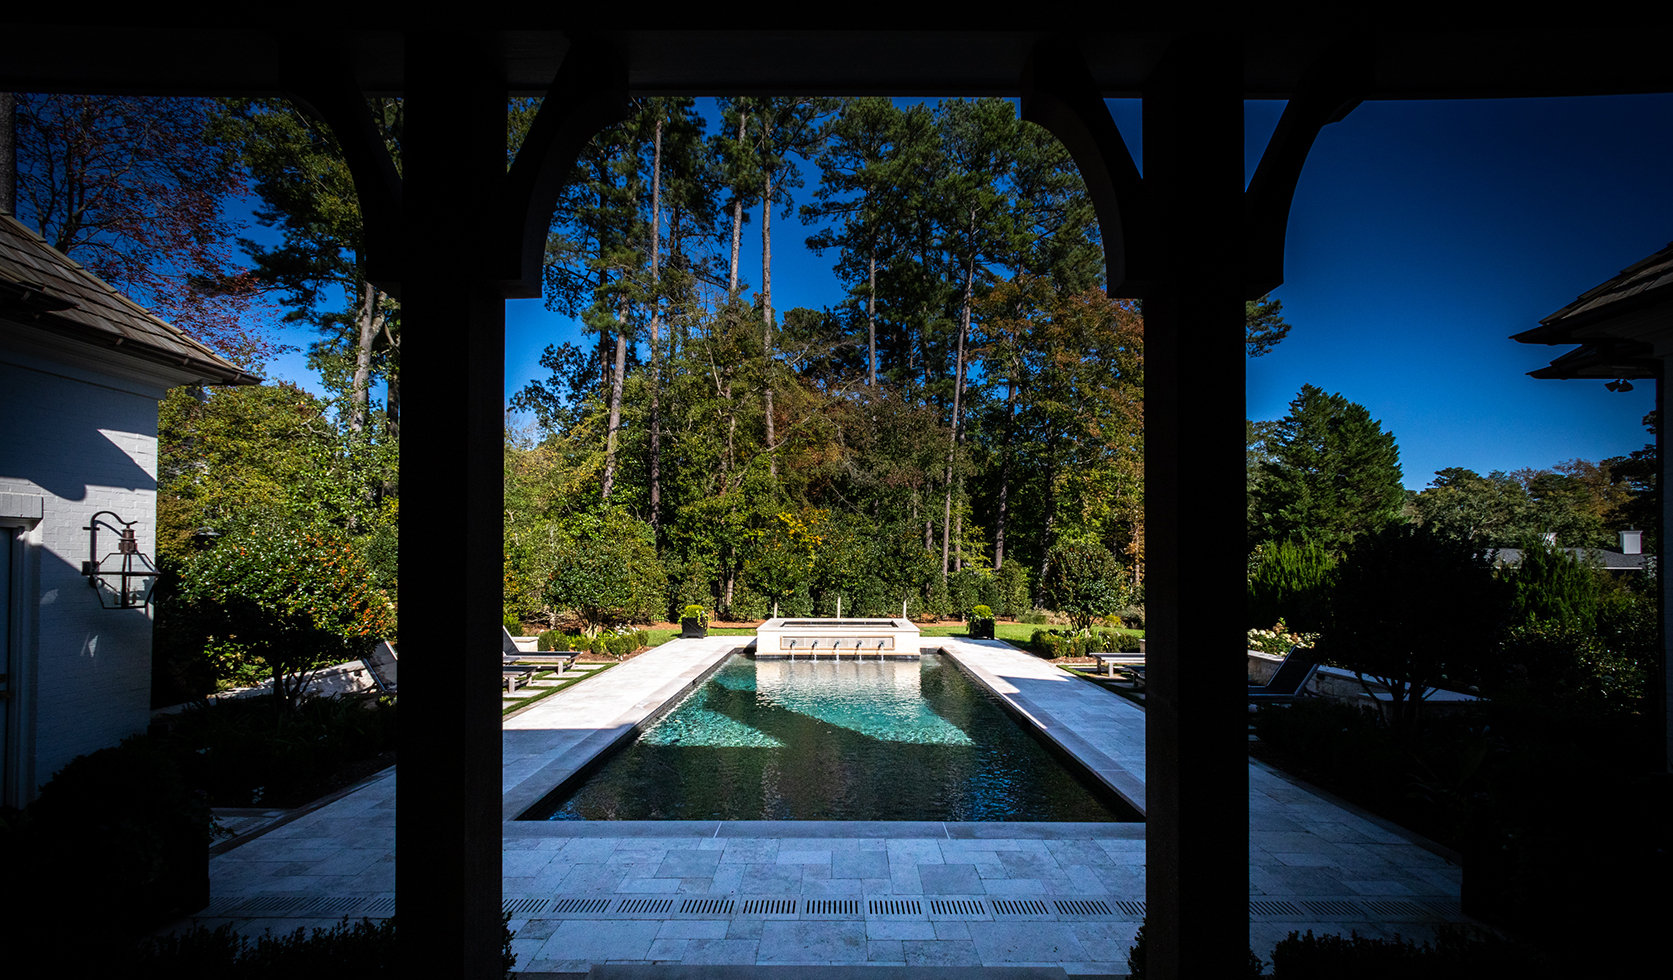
[835, 893]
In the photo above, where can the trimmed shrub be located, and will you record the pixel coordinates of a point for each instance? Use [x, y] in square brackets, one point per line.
[1084, 582]
[242, 753]
[350, 952]
[1289, 582]
[1138, 959]
[1453, 955]
[1551, 585]
[123, 821]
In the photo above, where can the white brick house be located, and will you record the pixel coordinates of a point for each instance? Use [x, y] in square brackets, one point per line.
[81, 371]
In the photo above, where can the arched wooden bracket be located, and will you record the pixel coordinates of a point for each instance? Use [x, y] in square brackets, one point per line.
[1059, 93]
[589, 93]
[321, 87]
[1330, 89]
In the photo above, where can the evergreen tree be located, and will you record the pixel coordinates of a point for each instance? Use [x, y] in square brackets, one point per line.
[1334, 474]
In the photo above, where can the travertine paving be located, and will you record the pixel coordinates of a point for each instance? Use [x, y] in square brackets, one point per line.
[854, 893]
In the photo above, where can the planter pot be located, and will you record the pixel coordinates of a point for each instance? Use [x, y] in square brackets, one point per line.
[981, 629]
[693, 629]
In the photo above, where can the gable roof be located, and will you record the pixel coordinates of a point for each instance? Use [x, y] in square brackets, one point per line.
[1623, 324]
[1607, 559]
[43, 288]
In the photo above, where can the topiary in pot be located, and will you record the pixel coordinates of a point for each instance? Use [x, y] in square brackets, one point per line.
[694, 622]
[981, 623]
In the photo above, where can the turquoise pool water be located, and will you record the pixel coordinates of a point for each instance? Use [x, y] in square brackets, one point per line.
[779, 739]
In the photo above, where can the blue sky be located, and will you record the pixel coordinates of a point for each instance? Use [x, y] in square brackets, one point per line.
[1423, 235]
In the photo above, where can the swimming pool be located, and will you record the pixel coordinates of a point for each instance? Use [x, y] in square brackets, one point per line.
[778, 739]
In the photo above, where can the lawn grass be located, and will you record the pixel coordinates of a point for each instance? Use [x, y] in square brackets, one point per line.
[545, 693]
[659, 637]
[1017, 633]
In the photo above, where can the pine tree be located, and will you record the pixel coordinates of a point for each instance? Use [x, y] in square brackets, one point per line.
[1334, 474]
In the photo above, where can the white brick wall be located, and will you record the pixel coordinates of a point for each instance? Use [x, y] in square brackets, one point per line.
[84, 442]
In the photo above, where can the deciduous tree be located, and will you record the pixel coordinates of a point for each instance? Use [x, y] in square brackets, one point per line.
[136, 190]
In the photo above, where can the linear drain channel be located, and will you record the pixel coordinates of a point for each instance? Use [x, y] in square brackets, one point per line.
[1018, 906]
[894, 906]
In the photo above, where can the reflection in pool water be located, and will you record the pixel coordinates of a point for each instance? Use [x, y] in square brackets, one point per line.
[836, 740]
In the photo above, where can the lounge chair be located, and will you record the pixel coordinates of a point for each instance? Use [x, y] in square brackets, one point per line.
[515, 674]
[382, 662]
[1108, 662]
[509, 654]
[1290, 682]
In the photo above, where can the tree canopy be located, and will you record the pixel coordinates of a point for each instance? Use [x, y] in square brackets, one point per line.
[1333, 475]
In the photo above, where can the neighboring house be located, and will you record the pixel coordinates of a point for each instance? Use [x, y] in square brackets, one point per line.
[82, 368]
[1628, 557]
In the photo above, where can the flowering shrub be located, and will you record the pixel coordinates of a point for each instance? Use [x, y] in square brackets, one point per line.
[1278, 640]
[296, 598]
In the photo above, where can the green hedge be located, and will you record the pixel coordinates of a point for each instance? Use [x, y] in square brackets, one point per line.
[346, 951]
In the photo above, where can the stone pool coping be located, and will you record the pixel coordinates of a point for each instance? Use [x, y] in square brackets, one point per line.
[1312, 863]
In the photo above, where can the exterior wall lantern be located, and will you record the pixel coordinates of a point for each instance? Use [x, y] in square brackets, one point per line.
[125, 577]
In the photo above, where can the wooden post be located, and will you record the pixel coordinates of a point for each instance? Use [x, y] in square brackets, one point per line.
[1197, 786]
[452, 498]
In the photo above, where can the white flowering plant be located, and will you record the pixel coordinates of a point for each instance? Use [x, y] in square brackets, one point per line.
[1278, 640]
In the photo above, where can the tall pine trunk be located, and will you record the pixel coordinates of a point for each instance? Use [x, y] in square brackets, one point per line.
[958, 392]
[616, 398]
[1004, 476]
[370, 322]
[656, 329]
[871, 320]
[737, 218]
[767, 318]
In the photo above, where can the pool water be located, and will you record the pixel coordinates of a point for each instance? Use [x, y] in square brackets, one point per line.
[782, 739]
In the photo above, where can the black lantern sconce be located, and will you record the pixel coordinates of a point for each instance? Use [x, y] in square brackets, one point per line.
[125, 577]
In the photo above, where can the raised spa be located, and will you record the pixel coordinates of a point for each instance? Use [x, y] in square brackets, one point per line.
[837, 638]
[835, 739]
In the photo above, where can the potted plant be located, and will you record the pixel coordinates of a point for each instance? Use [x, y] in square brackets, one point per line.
[694, 622]
[981, 623]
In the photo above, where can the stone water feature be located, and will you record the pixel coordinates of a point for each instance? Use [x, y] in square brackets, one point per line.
[836, 639]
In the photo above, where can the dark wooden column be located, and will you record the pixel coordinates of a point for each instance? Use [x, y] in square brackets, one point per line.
[1197, 783]
[452, 498]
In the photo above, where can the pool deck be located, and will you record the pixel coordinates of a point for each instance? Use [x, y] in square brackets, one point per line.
[930, 894]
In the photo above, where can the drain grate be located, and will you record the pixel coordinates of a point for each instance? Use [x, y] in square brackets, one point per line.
[1395, 908]
[521, 907]
[831, 906]
[707, 906]
[1269, 907]
[1081, 907]
[1332, 908]
[769, 906]
[580, 906]
[1130, 908]
[644, 906]
[894, 906]
[293, 903]
[1448, 907]
[1019, 906]
[957, 906]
